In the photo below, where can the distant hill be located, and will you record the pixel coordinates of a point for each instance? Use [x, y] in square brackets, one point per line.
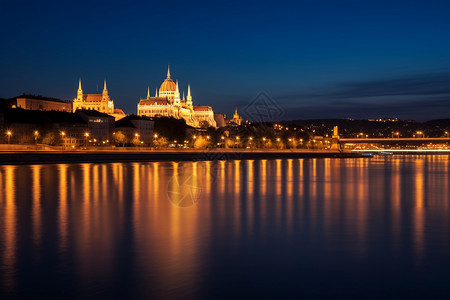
[386, 127]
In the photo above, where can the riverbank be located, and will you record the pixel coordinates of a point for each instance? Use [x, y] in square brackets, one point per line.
[39, 157]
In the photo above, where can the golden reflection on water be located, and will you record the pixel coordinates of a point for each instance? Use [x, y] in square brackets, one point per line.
[63, 207]
[8, 226]
[105, 211]
[36, 208]
[419, 212]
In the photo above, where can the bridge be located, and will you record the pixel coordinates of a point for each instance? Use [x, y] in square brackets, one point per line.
[337, 141]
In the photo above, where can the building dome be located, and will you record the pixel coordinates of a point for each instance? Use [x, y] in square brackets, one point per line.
[168, 86]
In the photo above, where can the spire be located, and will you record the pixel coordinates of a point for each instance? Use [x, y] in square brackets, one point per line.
[168, 71]
[189, 97]
[148, 92]
[80, 91]
[105, 91]
[156, 94]
[176, 99]
[183, 96]
[235, 111]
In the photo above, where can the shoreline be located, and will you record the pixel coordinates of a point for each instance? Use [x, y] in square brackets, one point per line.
[111, 156]
[23, 157]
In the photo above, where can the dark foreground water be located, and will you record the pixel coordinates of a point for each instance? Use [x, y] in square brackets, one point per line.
[348, 228]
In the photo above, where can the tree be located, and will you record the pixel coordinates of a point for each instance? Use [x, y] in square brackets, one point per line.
[136, 141]
[49, 139]
[160, 142]
[120, 138]
[200, 143]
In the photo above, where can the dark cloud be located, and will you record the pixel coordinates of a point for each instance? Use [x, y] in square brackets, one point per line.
[418, 97]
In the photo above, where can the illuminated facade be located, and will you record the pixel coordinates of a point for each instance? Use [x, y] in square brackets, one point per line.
[32, 102]
[168, 103]
[99, 102]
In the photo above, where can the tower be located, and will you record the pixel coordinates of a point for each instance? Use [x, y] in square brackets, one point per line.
[176, 99]
[148, 92]
[105, 92]
[80, 91]
[189, 98]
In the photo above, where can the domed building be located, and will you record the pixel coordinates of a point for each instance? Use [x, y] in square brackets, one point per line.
[167, 103]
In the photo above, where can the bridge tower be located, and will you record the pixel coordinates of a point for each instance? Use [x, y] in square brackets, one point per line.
[335, 140]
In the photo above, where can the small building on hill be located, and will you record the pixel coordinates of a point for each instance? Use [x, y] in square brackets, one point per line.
[136, 128]
[33, 102]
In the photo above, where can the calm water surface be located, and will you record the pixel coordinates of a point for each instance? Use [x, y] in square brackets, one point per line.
[357, 228]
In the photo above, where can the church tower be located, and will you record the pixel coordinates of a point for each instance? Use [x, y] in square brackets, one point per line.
[80, 91]
[176, 99]
[189, 98]
[105, 92]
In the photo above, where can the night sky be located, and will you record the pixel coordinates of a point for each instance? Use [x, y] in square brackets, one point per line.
[316, 59]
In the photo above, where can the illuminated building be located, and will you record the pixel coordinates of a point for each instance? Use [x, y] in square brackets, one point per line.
[135, 126]
[168, 103]
[32, 102]
[236, 120]
[100, 125]
[99, 102]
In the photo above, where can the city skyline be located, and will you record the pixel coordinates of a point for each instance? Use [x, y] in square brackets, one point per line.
[316, 60]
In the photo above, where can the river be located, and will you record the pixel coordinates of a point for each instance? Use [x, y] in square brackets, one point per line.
[350, 228]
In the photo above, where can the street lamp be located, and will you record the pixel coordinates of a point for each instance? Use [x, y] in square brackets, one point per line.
[9, 133]
[86, 135]
[62, 136]
[36, 134]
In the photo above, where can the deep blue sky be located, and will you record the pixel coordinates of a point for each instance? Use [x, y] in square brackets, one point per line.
[329, 59]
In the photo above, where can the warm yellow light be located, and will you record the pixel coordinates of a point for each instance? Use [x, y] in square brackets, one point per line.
[36, 132]
[290, 140]
[251, 139]
[175, 141]
[237, 137]
[86, 134]
[155, 135]
[9, 133]
[63, 133]
[222, 137]
[264, 139]
[137, 134]
[207, 137]
[278, 139]
[194, 136]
